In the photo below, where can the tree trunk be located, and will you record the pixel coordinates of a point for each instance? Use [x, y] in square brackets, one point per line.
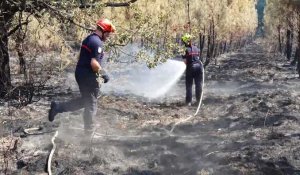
[239, 43]
[209, 41]
[165, 34]
[19, 46]
[5, 80]
[216, 49]
[279, 39]
[298, 55]
[289, 40]
[294, 62]
[22, 62]
[189, 17]
[214, 34]
[229, 48]
[225, 47]
[209, 37]
[201, 42]
[221, 48]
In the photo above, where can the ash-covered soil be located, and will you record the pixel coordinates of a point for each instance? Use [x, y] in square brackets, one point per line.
[248, 124]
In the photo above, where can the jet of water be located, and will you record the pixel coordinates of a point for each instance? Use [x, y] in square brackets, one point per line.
[139, 80]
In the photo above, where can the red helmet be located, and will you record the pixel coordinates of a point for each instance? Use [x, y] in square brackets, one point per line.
[106, 25]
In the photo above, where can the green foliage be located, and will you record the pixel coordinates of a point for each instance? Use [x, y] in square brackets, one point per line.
[281, 15]
[154, 24]
[158, 22]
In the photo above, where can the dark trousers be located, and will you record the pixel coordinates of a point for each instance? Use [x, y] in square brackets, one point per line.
[193, 74]
[89, 90]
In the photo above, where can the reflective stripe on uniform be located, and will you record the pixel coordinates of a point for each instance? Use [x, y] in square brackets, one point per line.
[87, 48]
[193, 53]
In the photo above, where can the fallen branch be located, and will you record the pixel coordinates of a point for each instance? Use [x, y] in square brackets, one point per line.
[211, 153]
[266, 118]
[51, 153]
[30, 130]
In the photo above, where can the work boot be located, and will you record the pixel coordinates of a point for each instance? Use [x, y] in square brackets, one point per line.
[87, 137]
[89, 129]
[88, 132]
[53, 111]
[196, 103]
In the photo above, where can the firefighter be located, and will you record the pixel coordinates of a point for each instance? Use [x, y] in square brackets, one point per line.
[87, 74]
[193, 69]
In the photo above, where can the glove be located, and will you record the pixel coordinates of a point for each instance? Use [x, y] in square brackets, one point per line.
[105, 78]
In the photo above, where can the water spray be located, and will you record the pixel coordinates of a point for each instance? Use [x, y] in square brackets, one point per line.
[199, 105]
[141, 81]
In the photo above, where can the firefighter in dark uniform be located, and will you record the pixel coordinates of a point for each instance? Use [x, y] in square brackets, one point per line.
[87, 73]
[193, 69]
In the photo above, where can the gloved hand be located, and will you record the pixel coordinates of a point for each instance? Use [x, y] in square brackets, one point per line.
[105, 78]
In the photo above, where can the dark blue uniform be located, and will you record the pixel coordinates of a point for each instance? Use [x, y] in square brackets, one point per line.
[92, 47]
[193, 72]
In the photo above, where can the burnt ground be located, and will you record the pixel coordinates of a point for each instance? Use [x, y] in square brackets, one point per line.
[248, 124]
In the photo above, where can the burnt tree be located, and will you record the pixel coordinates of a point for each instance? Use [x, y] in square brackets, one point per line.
[201, 42]
[297, 55]
[279, 38]
[289, 44]
[210, 42]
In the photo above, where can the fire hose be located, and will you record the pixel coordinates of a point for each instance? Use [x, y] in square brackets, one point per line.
[100, 81]
[199, 104]
[51, 153]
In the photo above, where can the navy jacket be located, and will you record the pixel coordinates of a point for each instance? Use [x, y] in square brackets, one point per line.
[192, 55]
[92, 47]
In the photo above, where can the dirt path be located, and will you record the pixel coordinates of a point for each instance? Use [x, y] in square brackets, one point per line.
[248, 124]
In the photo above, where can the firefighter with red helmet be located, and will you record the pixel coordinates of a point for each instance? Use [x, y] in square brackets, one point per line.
[87, 72]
